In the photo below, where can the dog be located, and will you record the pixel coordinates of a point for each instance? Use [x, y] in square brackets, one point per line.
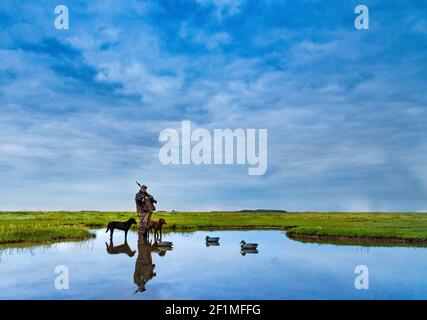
[124, 226]
[157, 226]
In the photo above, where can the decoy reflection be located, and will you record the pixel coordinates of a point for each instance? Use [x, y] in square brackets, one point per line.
[212, 241]
[244, 252]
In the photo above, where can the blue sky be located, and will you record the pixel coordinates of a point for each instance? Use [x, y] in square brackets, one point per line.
[81, 109]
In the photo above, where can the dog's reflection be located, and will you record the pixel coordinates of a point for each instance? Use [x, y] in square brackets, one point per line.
[161, 250]
[123, 248]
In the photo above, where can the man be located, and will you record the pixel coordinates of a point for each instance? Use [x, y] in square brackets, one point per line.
[145, 207]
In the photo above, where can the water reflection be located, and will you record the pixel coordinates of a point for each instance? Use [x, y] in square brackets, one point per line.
[123, 248]
[144, 266]
[295, 270]
[161, 249]
[212, 244]
[244, 252]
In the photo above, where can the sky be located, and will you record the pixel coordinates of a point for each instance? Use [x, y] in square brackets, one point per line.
[81, 109]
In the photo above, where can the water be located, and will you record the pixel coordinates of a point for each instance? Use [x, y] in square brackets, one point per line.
[283, 269]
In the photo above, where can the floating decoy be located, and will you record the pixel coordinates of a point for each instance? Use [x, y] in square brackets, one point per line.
[212, 239]
[245, 245]
[165, 244]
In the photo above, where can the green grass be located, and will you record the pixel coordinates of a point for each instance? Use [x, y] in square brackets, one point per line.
[46, 227]
[28, 233]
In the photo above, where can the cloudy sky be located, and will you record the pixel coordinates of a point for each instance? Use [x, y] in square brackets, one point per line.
[81, 109]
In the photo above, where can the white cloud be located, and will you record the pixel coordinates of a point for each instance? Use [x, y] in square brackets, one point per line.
[210, 40]
[339, 121]
[223, 8]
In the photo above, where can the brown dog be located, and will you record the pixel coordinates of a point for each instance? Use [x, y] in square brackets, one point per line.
[157, 226]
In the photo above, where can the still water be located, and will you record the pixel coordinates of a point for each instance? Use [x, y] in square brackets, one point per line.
[282, 269]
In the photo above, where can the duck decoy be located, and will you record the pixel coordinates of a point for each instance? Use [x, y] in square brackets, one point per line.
[212, 239]
[245, 245]
[165, 244]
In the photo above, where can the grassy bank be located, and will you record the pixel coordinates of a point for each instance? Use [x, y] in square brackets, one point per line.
[45, 227]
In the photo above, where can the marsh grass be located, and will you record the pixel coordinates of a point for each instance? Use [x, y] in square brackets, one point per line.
[25, 233]
[43, 227]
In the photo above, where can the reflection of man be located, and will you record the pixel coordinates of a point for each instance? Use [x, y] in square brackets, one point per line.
[145, 207]
[144, 267]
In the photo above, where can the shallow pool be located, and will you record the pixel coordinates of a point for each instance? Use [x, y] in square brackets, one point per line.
[282, 269]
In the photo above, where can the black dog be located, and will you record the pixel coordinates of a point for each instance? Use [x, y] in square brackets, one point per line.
[124, 226]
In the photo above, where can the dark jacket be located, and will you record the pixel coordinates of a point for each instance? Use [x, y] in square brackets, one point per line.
[141, 206]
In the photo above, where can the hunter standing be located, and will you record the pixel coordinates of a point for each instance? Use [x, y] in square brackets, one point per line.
[145, 207]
